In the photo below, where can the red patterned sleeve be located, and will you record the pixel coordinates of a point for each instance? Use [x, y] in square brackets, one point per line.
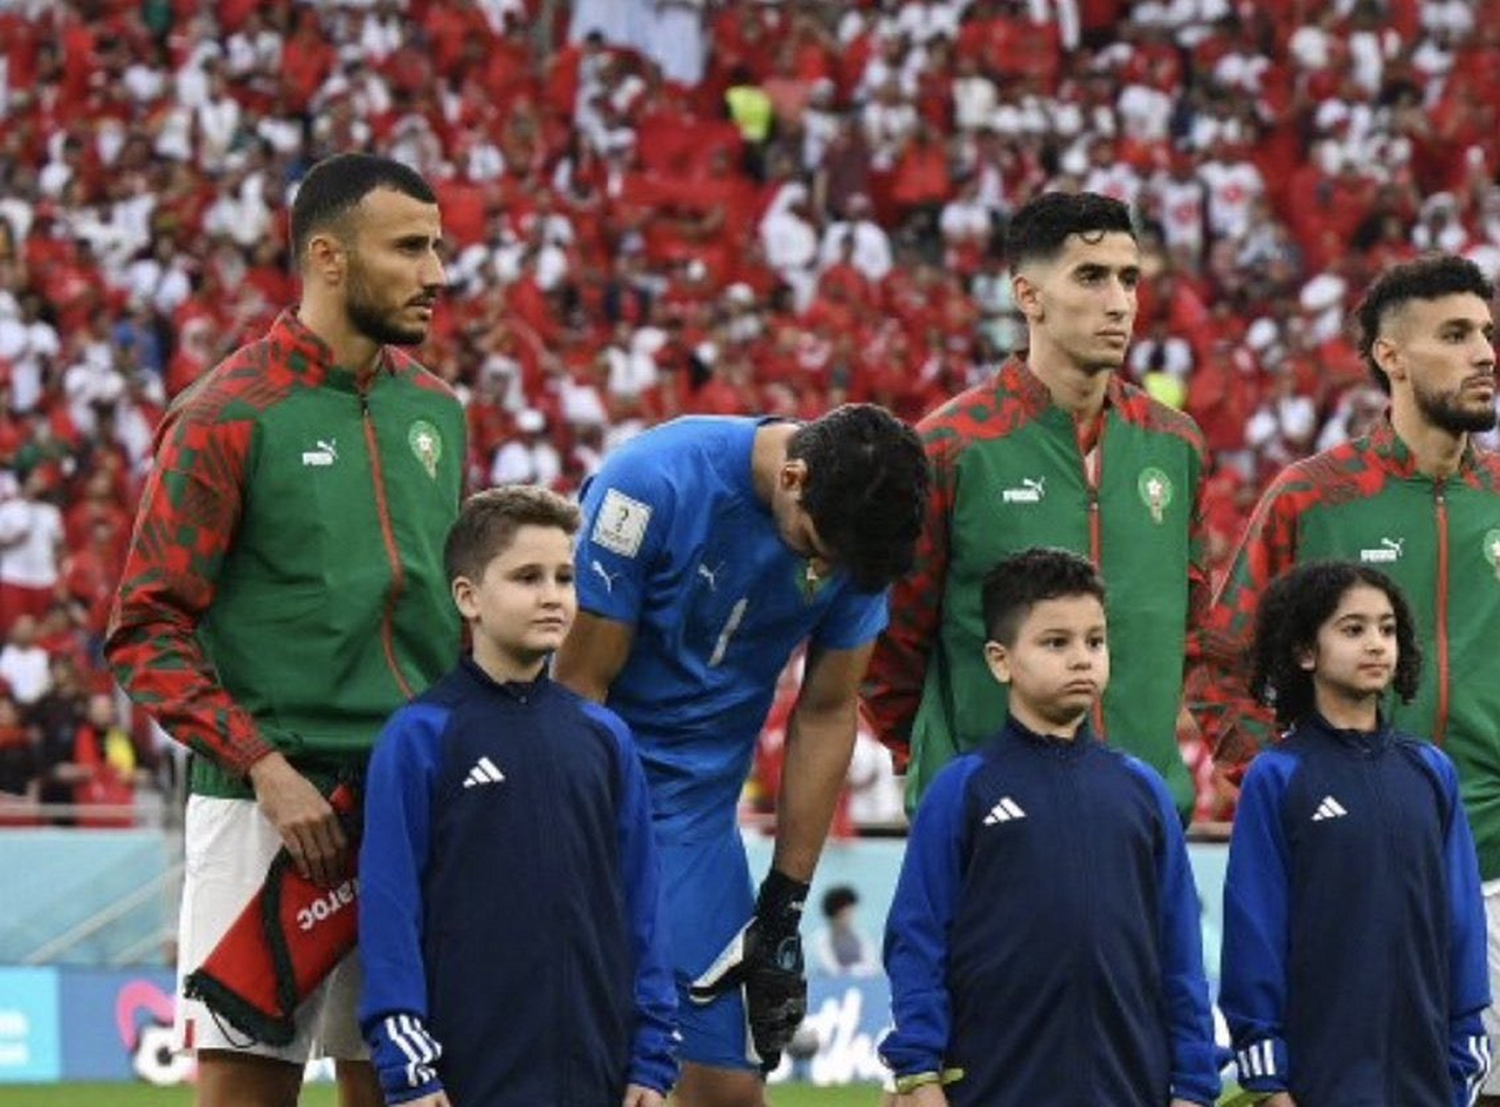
[898, 668]
[189, 512]
[1235, 725]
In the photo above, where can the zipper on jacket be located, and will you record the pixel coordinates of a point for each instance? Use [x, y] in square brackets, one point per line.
[1440, 630]
[393, 555]
[1092, 480]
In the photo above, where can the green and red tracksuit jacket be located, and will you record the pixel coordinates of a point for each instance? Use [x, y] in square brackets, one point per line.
[284, 587]
[1364, 501]
[1008, 474]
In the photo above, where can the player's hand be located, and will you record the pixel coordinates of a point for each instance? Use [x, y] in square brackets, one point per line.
[928, 1095]
[765, 959]
[637, 1095]
[308, 825]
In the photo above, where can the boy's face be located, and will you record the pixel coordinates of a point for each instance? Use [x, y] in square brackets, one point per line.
[1058, 665]
[523, 605]
[1355, 655]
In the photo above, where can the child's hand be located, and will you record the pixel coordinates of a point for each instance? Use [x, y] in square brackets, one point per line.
[1280, 1099]
[436, 1099]
[928, 1095]
[638, 1096]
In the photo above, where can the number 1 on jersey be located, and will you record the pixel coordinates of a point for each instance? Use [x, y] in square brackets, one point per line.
[731, 624]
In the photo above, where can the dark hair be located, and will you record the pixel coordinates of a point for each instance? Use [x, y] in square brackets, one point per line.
[1038, 231]
[488, 521]
[1020, 582]
[334, 186]
[866, 489]
[1430, 277]
[837, 898]
[1292, 610]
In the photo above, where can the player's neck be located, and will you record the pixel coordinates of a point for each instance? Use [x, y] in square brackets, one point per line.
[1436, 452]
[351, 349]
[1037, 720]
[1347, 712]
[504, 667]
[767, 455]
[1078, 391]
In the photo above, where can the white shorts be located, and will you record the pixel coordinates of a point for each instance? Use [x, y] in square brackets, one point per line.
[1492, 946]
[228, 847]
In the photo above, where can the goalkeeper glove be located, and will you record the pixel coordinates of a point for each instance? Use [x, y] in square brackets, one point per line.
[765, 958]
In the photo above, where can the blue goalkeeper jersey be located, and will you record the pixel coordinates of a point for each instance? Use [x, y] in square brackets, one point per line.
[676, 543]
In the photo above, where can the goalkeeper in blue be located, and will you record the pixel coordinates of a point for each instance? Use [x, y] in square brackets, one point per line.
[1043, 943]
[1353, 969]
[509, 905]
[711, 549]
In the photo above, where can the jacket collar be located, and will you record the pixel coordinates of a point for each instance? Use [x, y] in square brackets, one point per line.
[1015, 378]
[309, 356]
[1396, 458]
[1081, 743]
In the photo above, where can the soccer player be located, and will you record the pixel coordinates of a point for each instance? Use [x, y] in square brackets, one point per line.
[1055, 450]
[1043, 943]
[498, 782]
[712, 548]
[1419, 500]
[1354, 934]
[284, 593]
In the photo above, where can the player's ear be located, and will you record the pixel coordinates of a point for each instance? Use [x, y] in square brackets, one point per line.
[793, 474]
[326, 258]
[997, 657]
[465, 597]
[1386, 354]
[1028, 296]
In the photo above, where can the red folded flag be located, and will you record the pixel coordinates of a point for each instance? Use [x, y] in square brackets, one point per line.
[284, 944]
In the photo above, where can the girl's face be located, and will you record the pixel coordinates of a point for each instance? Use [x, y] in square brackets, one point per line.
[1355, 655]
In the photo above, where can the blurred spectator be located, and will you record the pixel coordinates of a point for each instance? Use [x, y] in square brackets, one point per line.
[24, 665]
[839, 948]
[17, 749]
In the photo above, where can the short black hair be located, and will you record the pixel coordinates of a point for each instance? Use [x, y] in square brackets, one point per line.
[866, 490]
[1292, 610]
[488, 521]
[1430, 277]
[837, 898]
[334, 186]
[1020, 582]
[1038, 231]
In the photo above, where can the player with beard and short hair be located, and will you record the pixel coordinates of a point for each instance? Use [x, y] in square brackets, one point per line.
[284, 590]
[1057, 449]
[1416, 499]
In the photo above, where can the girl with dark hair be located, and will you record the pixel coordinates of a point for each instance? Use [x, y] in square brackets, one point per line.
[1354, 933]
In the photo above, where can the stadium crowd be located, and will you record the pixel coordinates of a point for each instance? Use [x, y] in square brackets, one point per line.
[662, 208]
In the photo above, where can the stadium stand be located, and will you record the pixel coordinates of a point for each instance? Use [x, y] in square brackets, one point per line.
[691, 206]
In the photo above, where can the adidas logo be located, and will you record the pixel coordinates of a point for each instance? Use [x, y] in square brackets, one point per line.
[1003, 812]
[483, 772]
[1330, 808]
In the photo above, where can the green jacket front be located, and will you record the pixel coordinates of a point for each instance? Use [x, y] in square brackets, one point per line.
[1008, 474]
[285, 587]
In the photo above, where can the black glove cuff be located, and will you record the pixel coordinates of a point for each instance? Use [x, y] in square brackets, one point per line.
[781, 899]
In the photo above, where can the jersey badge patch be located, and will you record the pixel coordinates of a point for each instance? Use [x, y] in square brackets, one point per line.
[621, 523]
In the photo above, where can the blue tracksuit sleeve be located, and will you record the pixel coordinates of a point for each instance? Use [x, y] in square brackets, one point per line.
[392, 857]
[653, 1058]
[921, 916]
[1253, 971]
[1469, 1045]
[1190, 1023]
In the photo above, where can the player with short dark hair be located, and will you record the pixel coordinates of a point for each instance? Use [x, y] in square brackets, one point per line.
[1056, 450]
[284, 591]
[712, 548]
[1043, 943]
[1418, 499]
[1350, 851]
[498, 783]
